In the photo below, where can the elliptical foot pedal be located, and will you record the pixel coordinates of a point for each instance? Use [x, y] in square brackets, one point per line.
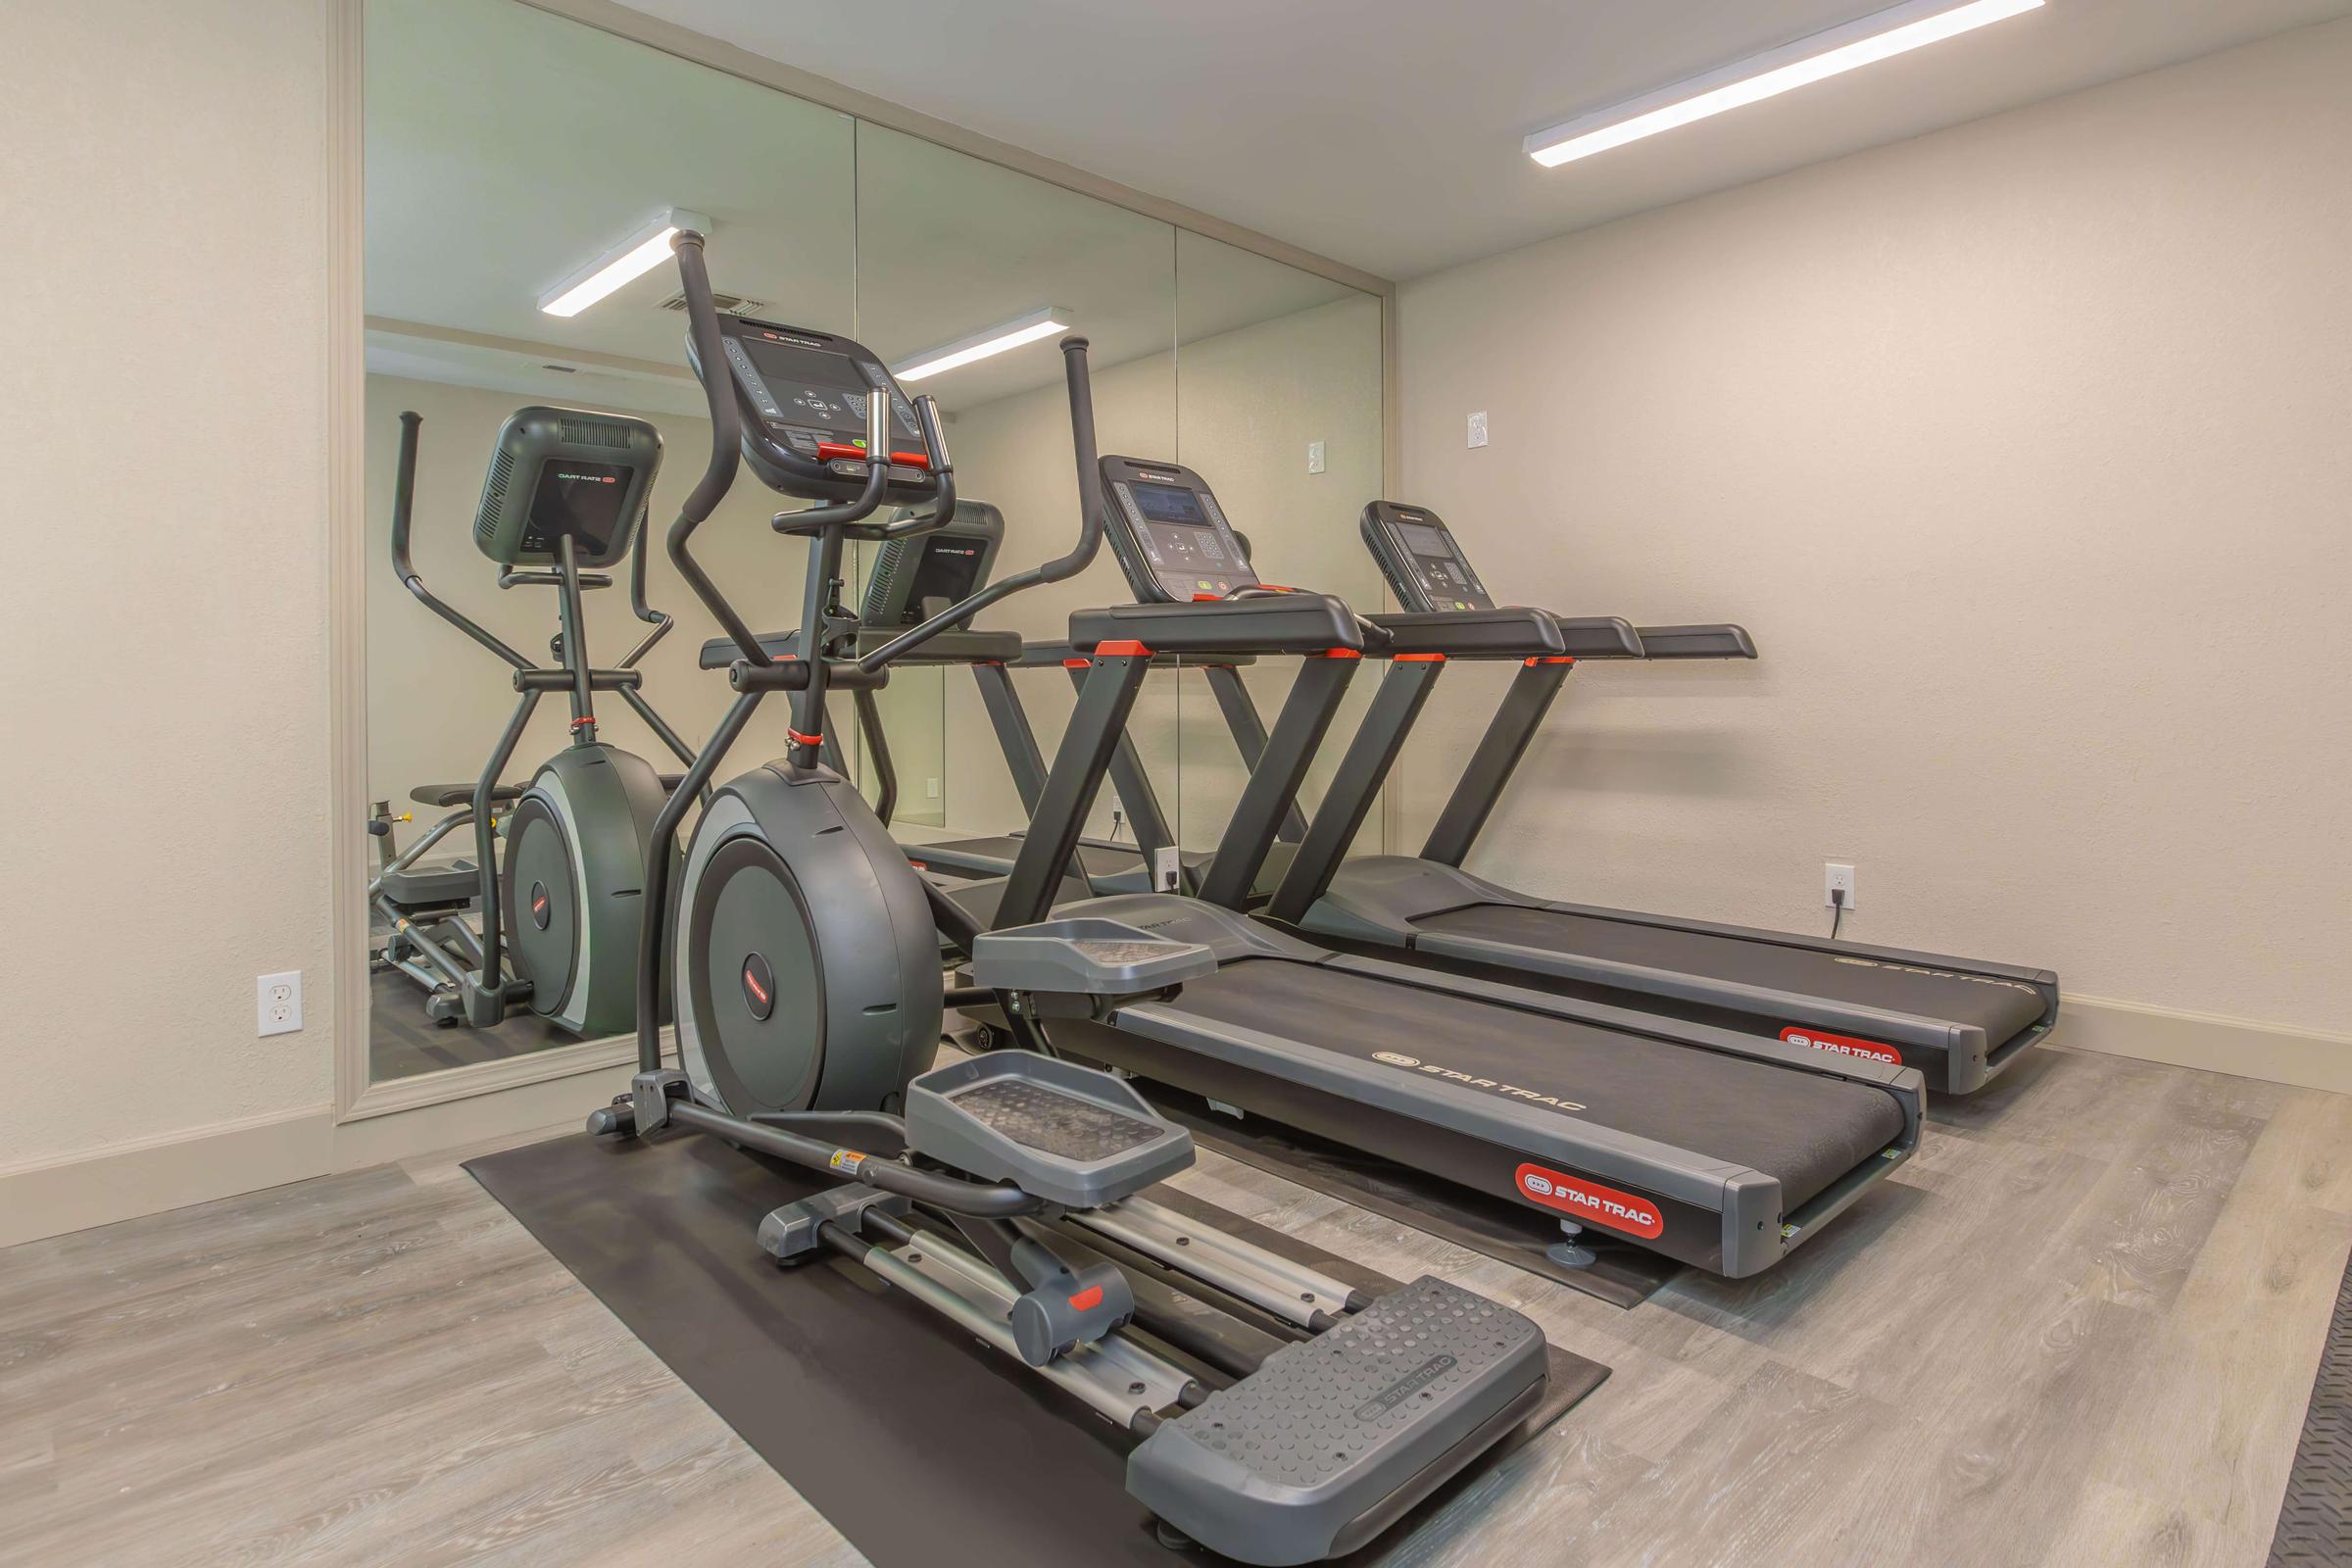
[1070, 1134]
[1333, 1437]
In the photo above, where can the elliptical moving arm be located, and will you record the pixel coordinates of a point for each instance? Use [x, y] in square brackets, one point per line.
[404, 496]
[1079, 556]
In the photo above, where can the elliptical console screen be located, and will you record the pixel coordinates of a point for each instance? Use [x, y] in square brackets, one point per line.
[581, 499]
[811, 393]
[948, 573]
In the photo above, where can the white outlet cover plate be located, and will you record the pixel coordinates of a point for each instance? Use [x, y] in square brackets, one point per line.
[1478, 429]
[277, 1002]
[1315, 457]
[1837, 874]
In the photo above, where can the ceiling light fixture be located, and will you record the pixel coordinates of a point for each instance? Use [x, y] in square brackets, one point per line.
[1876, 36]
[646, 248]
[1044, 321]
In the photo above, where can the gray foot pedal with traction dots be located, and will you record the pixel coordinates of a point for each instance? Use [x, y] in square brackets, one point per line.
[1070, 1134]
[1332, 1439]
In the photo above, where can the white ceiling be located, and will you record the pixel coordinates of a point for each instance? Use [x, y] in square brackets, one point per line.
[507, 146]
[1385, 133]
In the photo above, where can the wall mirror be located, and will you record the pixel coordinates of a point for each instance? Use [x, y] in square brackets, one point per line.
[509, 150]
[506, 147]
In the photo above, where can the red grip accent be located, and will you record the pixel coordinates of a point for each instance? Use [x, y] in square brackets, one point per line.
[1420, 658]
[1124, 648]
[798, 738]
[580, 722]
[1087, 1300]
[1340, 653]
[1550, 659]
[828, 451]
[1076, 664]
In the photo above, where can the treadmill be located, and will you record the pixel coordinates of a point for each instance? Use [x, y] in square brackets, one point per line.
[1712, 1147]
[1960, 1021]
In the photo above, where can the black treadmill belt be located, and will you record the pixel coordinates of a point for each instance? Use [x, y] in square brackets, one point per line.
[2001, 1009]
[1801, 1128]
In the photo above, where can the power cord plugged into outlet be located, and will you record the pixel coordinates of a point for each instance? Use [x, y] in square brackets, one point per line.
[1837, 911]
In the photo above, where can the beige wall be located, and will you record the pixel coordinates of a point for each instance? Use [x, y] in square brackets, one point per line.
[1240, 407]
[2025, 449]
[164, 788]
[438, 703]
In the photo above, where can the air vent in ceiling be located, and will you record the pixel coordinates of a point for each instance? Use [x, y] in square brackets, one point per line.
[728, 303]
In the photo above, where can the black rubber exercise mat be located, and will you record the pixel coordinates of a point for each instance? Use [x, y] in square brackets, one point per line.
[919, 1446]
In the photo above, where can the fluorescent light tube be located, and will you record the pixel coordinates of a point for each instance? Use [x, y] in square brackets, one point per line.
[646, 248]
[1044, 321]
[1878, 36]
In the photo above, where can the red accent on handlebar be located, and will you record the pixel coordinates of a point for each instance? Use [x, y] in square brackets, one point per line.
[828, 451]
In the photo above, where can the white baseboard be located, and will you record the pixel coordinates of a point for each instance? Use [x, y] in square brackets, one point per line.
[198, 1165]
[172, 1172]
[2304, 1057]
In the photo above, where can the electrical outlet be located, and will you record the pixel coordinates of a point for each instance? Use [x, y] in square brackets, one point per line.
[931, 789]
[1837, 874]
[1315, 457]
[1167, 865]
[1478, 429]
[277, 1002]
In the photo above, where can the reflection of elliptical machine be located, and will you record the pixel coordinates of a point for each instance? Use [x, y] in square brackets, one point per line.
[558, 919]
[1275, 1414]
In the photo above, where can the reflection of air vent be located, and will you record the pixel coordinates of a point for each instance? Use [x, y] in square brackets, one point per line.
[592, 434]
[485, 521]
[728, 303]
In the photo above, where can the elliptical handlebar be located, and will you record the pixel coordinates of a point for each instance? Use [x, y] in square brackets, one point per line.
[660, 620]
[726, 446]
[403, 500]
[1090, 520]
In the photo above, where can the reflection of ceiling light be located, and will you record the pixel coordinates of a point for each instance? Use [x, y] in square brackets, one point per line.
[646, 248]
[1044, 321]
[1876, 36]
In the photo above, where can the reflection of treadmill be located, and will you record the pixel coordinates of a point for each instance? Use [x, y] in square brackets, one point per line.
[916, 576]
[1958, 1020]
[1709, 1147]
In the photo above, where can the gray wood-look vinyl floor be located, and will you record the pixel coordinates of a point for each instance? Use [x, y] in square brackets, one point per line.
[2082, 1330]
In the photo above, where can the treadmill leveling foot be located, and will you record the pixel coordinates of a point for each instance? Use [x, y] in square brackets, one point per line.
[1570, 1251]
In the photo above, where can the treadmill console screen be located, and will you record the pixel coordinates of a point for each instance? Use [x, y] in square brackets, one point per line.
[1423, 564]
[1175, 544]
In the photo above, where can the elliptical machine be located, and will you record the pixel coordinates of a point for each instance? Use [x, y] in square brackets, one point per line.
[558, 926]
[1283, 1415]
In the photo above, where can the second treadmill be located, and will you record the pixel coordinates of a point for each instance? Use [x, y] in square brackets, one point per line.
[1961, 1021]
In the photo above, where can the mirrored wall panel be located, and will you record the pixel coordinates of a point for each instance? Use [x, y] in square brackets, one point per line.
[1278, 409]
[507, 151]
[517, 163]
[968, 276]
